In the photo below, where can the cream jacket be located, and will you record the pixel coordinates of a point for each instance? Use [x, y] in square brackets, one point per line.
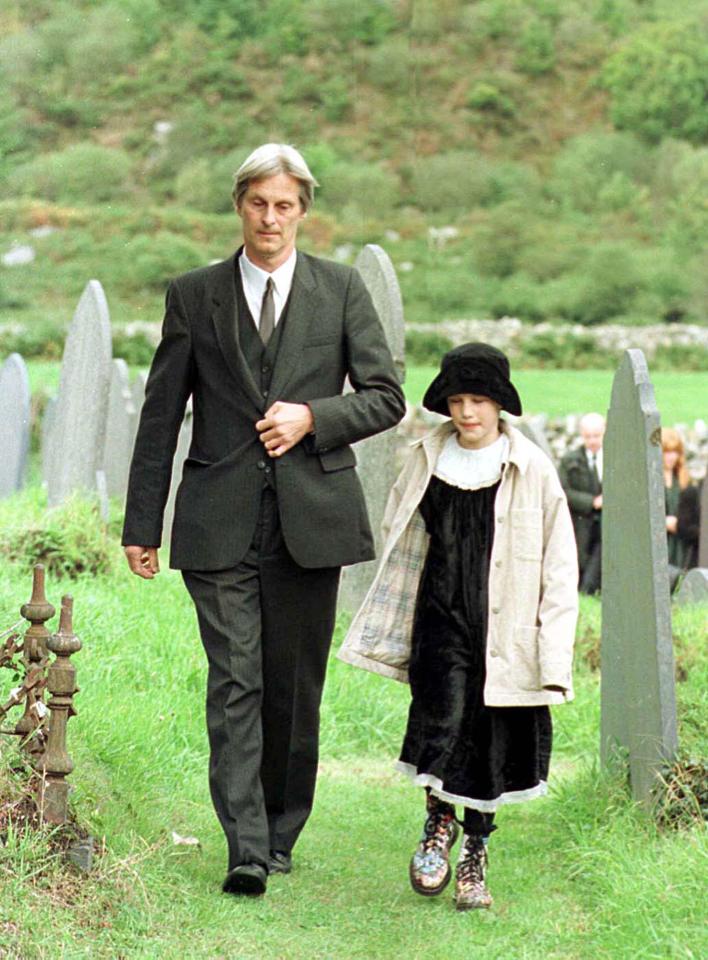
[533, 577]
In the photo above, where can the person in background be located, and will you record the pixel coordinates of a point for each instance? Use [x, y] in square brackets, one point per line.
[677, 483]
[475, 603]
[581, 476]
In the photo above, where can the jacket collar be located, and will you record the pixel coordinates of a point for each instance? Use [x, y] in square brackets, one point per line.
[433, 442]
[225, 316]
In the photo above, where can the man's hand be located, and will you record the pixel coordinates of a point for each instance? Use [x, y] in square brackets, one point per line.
[671, 524]
[597, 502]
[284, 425]
[143, 561]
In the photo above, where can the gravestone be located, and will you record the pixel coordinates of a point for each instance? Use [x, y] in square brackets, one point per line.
[534, 429]
[120, 431]
[703, 525]
[14, 424]
[637, 663]
[184, 440]
[48, 418]
[694, 587]
[376, 456]
[76, 439]
[137, 392]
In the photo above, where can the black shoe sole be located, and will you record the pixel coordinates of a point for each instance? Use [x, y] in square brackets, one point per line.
[247, 884]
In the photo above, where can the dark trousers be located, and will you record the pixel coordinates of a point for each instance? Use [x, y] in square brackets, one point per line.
[266, 626]
[591, 574]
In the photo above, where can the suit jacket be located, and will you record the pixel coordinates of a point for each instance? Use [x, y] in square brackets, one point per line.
[581, 487]
[331, 331]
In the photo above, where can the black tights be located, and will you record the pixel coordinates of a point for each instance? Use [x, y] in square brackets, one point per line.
[473, 822]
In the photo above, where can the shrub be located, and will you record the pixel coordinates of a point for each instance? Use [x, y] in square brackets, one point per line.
[343, 23]
[84, 173]
[584, 169]
[205, 183]
[368, 188]
[151, 261]
[41, 340]
[658, 81]
[486, 96]
[69, 540]
[451, 182]
[426, 349]
[103, 46]
[499, 241]
[609, 285]
[536, 52]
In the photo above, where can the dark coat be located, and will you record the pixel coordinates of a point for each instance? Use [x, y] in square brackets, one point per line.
[688, 524]
[331, 330]
[581, 487]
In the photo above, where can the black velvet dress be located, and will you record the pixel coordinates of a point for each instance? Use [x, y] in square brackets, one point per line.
[469, 753]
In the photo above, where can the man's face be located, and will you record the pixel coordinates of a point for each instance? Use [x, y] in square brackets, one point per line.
[270, 211]
[592, 435]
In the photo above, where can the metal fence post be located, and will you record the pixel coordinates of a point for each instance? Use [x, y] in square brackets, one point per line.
[61, 683]
[37, 611]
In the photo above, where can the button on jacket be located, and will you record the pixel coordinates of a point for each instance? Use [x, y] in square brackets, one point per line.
[533, 575]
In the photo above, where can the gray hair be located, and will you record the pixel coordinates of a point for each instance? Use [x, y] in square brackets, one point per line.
[269, 160]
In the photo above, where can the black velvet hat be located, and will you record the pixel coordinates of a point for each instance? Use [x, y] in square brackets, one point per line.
[473, 368]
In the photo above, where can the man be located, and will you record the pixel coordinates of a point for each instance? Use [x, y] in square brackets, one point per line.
[581, 476]
[270, 506]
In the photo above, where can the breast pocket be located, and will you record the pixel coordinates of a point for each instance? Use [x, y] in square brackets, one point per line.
[527, 534]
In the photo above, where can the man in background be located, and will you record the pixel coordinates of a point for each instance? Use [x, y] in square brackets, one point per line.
[581, 476]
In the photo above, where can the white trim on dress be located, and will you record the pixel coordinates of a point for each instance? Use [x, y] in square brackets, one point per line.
[485, 806]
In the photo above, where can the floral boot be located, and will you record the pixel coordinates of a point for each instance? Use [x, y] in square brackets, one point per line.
[470, 889]
[430, 865]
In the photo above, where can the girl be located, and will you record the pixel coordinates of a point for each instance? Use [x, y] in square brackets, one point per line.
[676, 482]
[475, 602]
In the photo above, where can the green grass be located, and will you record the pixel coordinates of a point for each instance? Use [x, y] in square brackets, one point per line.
[682, 397]
[580, 874]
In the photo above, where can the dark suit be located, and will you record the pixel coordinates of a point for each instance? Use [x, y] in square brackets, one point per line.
[261, 540]
[582, 485]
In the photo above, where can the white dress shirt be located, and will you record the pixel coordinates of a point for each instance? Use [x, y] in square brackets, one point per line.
[598, 461]
[254, 281]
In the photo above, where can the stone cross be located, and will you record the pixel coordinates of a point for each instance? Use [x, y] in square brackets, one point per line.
[120, 431]
[376, 456]
[77, 434]
[637, 696]
[14, 424]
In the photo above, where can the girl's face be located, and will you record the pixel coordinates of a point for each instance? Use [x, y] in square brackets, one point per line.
[476, 419]
[671, 458]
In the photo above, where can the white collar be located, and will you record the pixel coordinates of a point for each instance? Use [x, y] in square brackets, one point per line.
[472, 469]
[257, 278]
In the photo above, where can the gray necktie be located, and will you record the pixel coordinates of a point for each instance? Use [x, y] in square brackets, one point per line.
[267, 320]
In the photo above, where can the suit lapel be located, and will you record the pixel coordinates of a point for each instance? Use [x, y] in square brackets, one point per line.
[301, 308]
[225, 317]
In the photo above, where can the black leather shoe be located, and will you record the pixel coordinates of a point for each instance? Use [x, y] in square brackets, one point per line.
[249, 879]
[279, 862]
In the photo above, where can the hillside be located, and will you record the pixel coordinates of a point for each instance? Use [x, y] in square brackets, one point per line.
[564, 141]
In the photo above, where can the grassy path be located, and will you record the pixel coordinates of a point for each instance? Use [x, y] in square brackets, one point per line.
[579, 875]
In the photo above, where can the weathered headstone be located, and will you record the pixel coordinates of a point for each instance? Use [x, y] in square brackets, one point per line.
[694, 587]
[534, 428]
[78, 432]
[376, 456]
[637, 695]
[184, 440]
[703, 525]
[120, 431]
[137, 391]
[14, 424]
[48, 418]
